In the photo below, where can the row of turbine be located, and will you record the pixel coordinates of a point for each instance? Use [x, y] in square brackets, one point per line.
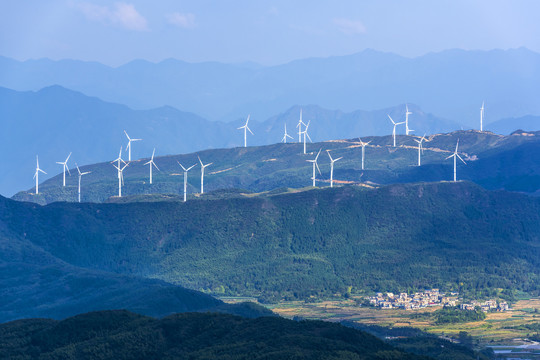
[245, 127]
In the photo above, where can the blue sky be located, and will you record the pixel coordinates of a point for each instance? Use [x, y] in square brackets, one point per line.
[269, 32]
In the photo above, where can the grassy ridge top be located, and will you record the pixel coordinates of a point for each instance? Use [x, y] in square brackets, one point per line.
[494, 161]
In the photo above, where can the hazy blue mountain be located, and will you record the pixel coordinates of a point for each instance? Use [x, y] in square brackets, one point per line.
[55, 121]
[451, 83]
[509, 125]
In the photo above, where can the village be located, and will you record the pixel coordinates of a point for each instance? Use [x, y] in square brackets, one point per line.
[433, 297]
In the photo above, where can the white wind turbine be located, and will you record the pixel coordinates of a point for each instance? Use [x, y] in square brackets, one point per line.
[152, 163]
[455, 155]
[246, 129]
[482, 117]
[306, 134]
[119, 158]
[185, 178]
[202, 173]
[129, 144]
[332, 161]
[36, 175]
[314, 161]
[363, 144]
[420, 147]
[407, 113]
[120, 177]
[394, 130]
[80, 176]
[64, 163]
[285, 135]
[299, 126]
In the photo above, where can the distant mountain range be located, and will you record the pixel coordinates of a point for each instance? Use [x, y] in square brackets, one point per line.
[55, 121]
[494, 161]
[450, 83]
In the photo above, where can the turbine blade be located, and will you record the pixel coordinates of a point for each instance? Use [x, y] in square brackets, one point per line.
[68, 157]
[308, 137]
[317, 165]
[127, 135]
[191, 167]
[182, 166]
[461, 159]
[450, 156]
[153, 163]
[392, 120]
[339, 158]
[249, 130]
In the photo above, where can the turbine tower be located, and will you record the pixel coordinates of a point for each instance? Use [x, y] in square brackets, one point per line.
[299, 126]
[152, 163]
[80, 176]
[202, 174]
[363, 144]
[455, 155]
[332, 161]
[306, 134]
[120, 177]
[185, 178]
[420, 147]
[482, 117]
[394, 131]
[314, 162]
[246, 129]
[407, 113]
[36, 175]
[65, 168]
[129, 144]
[285, 135]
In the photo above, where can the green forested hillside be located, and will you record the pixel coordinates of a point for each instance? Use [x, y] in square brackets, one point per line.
[123, 335]
[35, 283]
[493, 161]
[454, 236]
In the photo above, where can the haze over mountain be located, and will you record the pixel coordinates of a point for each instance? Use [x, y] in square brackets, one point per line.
[451, 83]
[55, 121]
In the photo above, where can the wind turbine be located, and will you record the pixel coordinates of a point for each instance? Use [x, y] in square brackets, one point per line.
[407, 113]
[394, 131]
[202, 174]
[332, 161]
[65, 168]
[119, 158]
[299, 126]
[482, 117]
[314, 161]
[80, 176]
[420, 147]
[455, 155]
[306, 134]
[246, 129]
[152, 163]
[285, 135]
[363, 144]
[129, 144]
[120, 177]
[36, 175]
[185, 177]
